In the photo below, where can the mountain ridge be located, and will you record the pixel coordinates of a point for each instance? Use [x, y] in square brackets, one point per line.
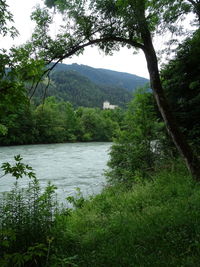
[86, 86]
[106, 76]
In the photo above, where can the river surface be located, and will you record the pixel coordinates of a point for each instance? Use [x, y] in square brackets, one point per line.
[67, 166]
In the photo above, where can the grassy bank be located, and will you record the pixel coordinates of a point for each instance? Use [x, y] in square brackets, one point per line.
[156, 223]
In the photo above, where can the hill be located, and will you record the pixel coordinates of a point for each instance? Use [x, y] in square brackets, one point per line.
[89, 87]
[106, 77]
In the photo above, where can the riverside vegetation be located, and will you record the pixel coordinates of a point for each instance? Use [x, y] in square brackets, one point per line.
[147, 215]
[57, 122]
[149, 212]
[153, 223]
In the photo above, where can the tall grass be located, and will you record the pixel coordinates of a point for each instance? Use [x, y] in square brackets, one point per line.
[155, 223]
[27, 217]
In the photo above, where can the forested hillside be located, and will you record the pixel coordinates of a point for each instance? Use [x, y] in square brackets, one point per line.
[89, 87]
[80, 91]
[107, 77]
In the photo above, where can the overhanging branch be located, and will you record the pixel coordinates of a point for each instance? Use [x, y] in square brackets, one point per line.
[79, 47]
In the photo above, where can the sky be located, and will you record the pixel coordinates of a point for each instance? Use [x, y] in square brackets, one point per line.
[123, 61]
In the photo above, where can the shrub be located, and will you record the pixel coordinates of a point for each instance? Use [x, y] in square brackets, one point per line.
[27, 217]
[156, 223]
[135, 151]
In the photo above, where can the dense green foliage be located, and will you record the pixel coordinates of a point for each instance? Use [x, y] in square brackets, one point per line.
[27, 216]
[80, 91]
[148, 214]
[106, 77]
[57, 121]
[140, 147]
[181, 81]
[155, 223]
[6, 27]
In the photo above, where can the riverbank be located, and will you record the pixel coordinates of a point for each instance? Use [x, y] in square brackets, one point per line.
[156, 223]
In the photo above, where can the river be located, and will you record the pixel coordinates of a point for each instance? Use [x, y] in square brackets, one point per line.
[67, 166]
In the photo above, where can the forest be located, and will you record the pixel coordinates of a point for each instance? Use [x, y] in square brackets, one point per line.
[79, 90]
[148, 213]
[57, 122]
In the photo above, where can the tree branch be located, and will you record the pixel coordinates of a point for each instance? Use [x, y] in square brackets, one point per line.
[78, 47]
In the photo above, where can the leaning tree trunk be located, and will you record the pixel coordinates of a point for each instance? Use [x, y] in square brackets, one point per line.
[190, 158]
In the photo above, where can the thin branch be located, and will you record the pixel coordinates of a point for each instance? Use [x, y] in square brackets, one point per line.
[80, 47]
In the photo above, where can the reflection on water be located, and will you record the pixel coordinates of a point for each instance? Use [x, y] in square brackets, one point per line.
[67, 166]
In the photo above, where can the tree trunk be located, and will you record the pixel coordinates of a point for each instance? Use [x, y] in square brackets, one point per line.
[190, 158]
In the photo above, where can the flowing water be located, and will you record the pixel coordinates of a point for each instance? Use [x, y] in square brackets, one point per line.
[67, 166]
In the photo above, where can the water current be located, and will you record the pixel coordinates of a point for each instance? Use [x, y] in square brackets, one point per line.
[67, 166]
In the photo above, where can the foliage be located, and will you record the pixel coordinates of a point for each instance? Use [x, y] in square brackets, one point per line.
[18, 72]
[138, 147]
[114, 24]
[155, 223]
[104, 76]
[18, 170]
[6, 19]
[58, 121]
[3, 129]
[19, 123]
[11, 91]
[27, 216]
[181, 81]
[95, 126]
[172, 11]
[78, 200]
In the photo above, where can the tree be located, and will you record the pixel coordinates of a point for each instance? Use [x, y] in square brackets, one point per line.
[50, 122]
[110, 24]
[6, 19]
[138, 146]
[181, 82]
[17, 70]
[173, 9]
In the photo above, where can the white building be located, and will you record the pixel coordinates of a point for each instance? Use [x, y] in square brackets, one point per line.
[106, 105]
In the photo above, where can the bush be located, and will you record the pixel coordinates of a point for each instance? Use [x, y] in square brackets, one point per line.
[138, 148]
[154, 224]
[27, 217]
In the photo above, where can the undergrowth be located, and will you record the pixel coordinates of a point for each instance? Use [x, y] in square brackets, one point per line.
[155, 223]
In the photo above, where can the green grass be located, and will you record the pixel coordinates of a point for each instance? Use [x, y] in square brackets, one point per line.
[154, 224]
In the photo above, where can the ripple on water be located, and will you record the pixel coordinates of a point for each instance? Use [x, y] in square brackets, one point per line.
[68, 166]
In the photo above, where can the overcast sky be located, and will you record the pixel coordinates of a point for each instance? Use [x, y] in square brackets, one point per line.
[123, 61]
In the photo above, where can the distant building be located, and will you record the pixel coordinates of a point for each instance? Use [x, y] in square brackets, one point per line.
[106, 105]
